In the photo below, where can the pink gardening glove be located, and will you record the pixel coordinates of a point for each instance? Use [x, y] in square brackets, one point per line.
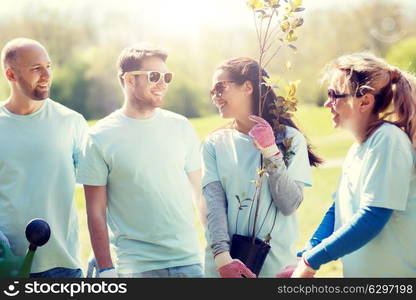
[235, 269]
[263, 136]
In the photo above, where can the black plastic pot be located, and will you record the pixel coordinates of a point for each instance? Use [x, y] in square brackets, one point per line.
[252, 255]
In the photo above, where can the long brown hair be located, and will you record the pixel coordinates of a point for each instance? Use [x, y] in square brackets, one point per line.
[242, 69]
[394, 90]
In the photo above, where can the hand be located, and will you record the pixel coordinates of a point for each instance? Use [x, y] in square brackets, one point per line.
[232, 268]
[288, 270]
[4, 239]
[108, 273]
[263, 136]
[303, 270]
[92, 267]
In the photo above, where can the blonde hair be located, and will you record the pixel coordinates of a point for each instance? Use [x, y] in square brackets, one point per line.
[394, 90]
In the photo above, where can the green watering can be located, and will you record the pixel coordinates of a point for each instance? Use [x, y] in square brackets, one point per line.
[11, 266]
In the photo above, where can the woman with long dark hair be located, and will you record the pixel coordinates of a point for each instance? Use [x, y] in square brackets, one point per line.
[257, 138]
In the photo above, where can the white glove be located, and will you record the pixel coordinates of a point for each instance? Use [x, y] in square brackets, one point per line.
[92, 270]
[108, 273]
[4, 239]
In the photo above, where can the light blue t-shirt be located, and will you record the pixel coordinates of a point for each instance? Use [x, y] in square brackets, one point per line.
[230, 156]
[381, 172]
[38, 155]
[144, 164]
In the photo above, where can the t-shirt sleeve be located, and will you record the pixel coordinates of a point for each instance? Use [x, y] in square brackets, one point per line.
[80, 138]
[209, 163]
[93, 169]
[386, 175]
[193, 159]
[299, 168]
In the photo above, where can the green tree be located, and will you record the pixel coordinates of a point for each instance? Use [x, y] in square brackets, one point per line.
[403, 54]
[104, 92]
[70, 85]
[183, 98]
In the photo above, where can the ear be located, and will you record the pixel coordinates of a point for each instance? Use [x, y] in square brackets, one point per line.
[248, 87]
[367, 103]
[10, 74]
[129, 79]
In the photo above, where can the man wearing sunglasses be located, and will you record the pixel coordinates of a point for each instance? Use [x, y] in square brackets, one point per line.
[139, 168]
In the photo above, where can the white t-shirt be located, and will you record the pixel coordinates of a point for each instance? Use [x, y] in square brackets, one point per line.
[230, 157]
[38, 156]
[381, 172]
[144, 164]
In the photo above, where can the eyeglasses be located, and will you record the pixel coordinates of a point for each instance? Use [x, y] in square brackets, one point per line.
[334, 97]
[219, 88]
[155, 76]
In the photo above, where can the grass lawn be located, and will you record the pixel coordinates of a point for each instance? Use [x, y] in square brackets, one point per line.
[329, 143]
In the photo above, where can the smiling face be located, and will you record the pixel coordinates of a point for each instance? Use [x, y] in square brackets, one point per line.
[231, 99]
[344, 111]
[148, 94]
[31, 73]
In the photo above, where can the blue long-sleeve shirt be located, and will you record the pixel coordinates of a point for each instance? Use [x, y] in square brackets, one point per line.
[327, 245]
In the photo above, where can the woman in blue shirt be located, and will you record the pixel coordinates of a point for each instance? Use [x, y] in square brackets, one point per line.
[371, 223]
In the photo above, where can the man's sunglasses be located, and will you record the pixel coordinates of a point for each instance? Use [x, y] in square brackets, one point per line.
[219, 88]
[333, 96]
[155, 76]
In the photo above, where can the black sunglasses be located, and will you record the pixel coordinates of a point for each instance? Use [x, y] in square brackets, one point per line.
[333, 96]
[219, 88]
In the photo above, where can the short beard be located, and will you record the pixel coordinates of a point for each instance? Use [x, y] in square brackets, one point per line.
[141, 103]
[33, 94]
[37, 95]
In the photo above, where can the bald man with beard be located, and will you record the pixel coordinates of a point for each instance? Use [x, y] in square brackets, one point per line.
[39, 149]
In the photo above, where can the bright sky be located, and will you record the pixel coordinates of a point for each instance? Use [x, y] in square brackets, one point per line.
[177, 16]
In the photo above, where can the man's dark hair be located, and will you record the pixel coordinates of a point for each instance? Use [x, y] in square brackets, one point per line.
[131, 58]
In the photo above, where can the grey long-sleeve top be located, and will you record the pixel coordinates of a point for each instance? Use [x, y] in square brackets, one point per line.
[286, 193]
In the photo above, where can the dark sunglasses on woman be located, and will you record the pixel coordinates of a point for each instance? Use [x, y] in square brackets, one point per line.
[219, 88]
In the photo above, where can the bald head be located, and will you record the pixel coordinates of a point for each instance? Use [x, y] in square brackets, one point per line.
[14, 48]
[27, 68]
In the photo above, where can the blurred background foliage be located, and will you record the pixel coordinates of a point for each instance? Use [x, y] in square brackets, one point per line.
[84, 44]
[85, 37]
